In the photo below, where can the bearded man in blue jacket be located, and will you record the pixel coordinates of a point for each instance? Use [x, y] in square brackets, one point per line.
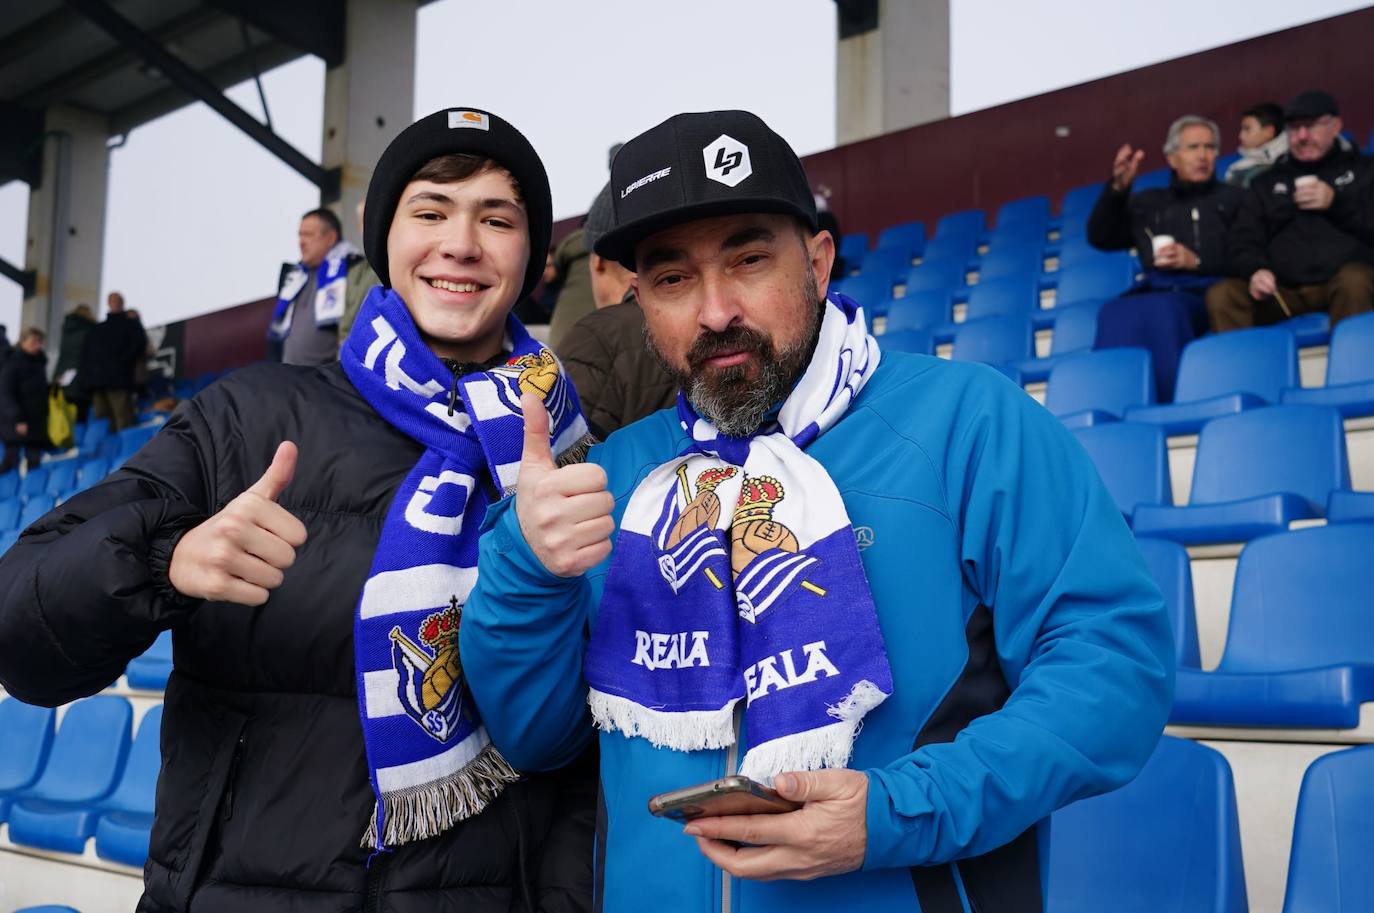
[892, 587]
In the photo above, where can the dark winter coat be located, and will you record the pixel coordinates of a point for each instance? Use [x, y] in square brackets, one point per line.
[264, 795]
[75, 327]
[1306, 247]
[1198, 216]
[110, 353]
[24, 398]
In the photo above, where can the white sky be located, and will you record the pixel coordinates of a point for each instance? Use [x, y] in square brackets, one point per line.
[199, 217]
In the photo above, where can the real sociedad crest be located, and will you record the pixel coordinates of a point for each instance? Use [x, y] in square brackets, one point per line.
[536, 373]
[430, 685]
[764, 554]
[686, 535]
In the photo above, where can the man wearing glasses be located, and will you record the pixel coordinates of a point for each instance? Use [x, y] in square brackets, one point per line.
[1304, 238]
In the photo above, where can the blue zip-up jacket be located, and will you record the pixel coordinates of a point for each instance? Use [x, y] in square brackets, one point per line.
[1030, 651]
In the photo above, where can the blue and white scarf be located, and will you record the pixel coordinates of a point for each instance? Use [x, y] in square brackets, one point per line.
[736, 576]
[331, 286]
[429, 757]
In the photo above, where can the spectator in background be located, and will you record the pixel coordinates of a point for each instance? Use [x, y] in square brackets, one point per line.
[5, 347]
[312, 296]
[537, 307]
[575, 301]
[24, 402]
[1179, 232]
[617, 378]
[109, 358]
[1304, 238]
[75, 326]
[1262, 143]
[360, 280]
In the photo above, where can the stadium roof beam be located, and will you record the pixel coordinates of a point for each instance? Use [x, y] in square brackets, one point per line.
[200, 87]
[26, 279]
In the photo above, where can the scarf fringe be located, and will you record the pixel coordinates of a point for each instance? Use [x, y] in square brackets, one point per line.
[689, 730]
[425, 811]
[814, 749]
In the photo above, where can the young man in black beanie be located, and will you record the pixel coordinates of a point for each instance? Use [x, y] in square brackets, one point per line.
[309, 536]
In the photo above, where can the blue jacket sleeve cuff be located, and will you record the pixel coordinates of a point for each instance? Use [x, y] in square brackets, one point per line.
[891, 829]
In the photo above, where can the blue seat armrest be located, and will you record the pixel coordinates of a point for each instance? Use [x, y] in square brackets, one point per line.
[1231, 521]
[1188, 418]
[52, 825]
[1353, 400]
[1087, 418]
[1325, 698]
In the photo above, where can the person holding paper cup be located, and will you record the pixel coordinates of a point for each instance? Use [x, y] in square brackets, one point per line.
[1179, 232]
[1303, 241]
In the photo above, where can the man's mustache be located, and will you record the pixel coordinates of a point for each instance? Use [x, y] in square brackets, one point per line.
[734, 339]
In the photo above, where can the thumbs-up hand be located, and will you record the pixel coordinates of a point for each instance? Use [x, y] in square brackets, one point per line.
[564, 513]
[240, 553]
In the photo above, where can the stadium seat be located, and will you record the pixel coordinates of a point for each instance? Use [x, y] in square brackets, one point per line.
[65, 827]
[1310, 329]
[1172, 570]
[92, 434]
[1132, 460]
[1008, 295]
[10, 510]
[999, 341]
[1350, 507]
[9, 484]
[946, 274]
[1011, 260]
[109, 449]
[35, 507]
[150, 671]
[1017, 234]
[909, 237]
[1225, 162]
[35, 482]
[1349, 371]
[919, 310]
[951, 247]
[885, 263]
[1033, 211]
[61, 477]
[1079, 202]
[1256, 472]
[28, 732]
[1152, 180]
[1092, 387]
[966, 222]
[1300, 640]
[915, 341]
[868, 290]
[853, 246]
[1333, 843]
[1167, 842]
[8, 539]
[132, 440]
[1102, 278]
[91, 472]
[86, 758]
[1075, 331]
[1225, 374]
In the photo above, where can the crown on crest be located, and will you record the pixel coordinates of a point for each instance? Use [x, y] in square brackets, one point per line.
[757, 497]
[710, 478]
[440, 629]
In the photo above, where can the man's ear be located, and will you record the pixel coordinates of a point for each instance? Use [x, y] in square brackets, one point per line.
[821, 249]
[598, 263]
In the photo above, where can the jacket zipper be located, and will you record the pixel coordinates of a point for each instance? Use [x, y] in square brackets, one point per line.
[731, 768]
[376, 872]
[232, 778]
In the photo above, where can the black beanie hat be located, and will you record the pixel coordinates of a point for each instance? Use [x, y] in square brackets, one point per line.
[457, 130]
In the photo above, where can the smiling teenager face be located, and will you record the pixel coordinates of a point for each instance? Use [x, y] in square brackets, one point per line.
[457, 251]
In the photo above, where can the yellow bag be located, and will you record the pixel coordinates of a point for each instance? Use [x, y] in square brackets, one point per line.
[61, 419]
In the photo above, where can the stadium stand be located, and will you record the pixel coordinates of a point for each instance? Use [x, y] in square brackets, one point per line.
[1332, 839]
[1168, 564]
[1002, 342]
[1168, 842]
[1075, 329]
[150, 671]
[915, 341]
[969, 223]
[853, 246]
[1095, 387]
[1095, 279]
[944, 274]
[1132, 462]
[1031, 212]
[1256, 473]
[1349, 371]
[907, 237]
[28, 735]
[86, 759]
[919, 310]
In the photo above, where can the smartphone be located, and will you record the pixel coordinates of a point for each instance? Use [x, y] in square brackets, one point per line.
[726, 796]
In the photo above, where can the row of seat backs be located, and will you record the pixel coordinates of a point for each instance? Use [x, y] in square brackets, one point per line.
[1169, 841]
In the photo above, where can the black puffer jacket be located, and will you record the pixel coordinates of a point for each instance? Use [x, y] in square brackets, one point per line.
[263, 795]
[1198, 216]
[24, 398]
[110, 353]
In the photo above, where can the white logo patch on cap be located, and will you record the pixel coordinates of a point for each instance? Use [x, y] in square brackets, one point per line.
[472, 119]
[727, 160]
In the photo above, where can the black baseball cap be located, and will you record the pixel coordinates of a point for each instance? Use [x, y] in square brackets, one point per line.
[693, 166]
[1311, 105]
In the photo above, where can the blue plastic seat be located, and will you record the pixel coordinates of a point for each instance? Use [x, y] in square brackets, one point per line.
[969, 222]
[35, 482]
[1033, 211]
[1132, 460]
[1079, 202]
[946, 274]
[1017, 234]
[8, 539]
[1224, 374]
[1173, 572]
[998, 341]
[65, 827]
[1350, 507]
[1011, 260]
[61, 477]
[1300, 641]
[1076, 251]
[1093, 387]
[132, 440]
[93, 433]
[1256, 473]
[1152, 180]
[27, 740]
[150, 671]
[1103, 277]
[1333, 842]
[10, 511]
[36, 507]
[1349, 371]
[909, 237]
[85, 762]
[1310, 329]
[1008, 295]
[919, 310]
[9, 485]
[868, 289]
[1167, 842]
[915, 341]
[951, 247]
[885, 263]
[1075, 331]
[853, 246]
[91, 472]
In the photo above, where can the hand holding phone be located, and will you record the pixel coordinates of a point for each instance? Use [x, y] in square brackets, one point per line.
[727, 796]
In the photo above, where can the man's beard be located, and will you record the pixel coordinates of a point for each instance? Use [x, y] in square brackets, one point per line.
[728, 397]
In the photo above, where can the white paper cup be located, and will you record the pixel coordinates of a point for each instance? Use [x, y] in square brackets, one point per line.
[1159, 242]
[1306, 180]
